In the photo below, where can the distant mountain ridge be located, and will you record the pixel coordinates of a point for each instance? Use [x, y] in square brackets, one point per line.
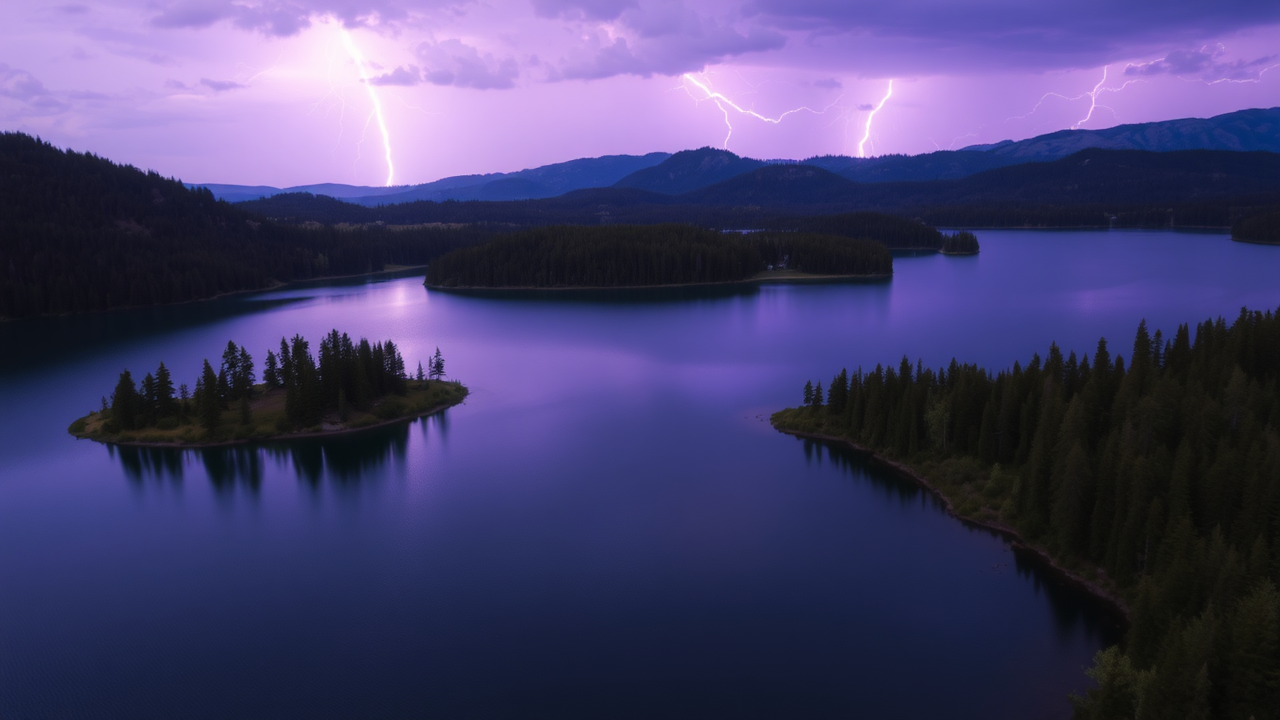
[1243, 130]
[690, 170]
[1207, 188]
[533, 183]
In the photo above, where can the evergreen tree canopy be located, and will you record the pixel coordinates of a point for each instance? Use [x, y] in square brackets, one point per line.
[1163, 473]
[638, 255]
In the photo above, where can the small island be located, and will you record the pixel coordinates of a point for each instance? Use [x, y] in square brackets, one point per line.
[961, 242]
[632, 256]
[353, 386]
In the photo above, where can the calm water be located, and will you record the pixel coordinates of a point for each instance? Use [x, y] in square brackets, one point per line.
[607, 528]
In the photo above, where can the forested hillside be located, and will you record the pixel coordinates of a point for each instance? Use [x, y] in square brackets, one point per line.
[1158, 478]
[78, 232]
[627, 256]
[689, 170]
[895, 232]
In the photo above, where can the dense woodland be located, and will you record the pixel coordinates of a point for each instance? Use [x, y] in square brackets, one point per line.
[959, 243]
[1262, 228]
[895, 232]
[1159, 477]
[623, 255]
[80, 233]
[347, 376]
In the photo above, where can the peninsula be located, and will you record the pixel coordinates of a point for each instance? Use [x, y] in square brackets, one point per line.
[1150, 483]
[353, 386]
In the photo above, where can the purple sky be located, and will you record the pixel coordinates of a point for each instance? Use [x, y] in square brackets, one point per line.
[286, 92]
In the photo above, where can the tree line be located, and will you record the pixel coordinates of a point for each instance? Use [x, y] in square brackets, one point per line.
[1161, 475]
[959, 243]
[621, 256]
[1206, 213]
[347, 375]
[1263, 227]
[80, 233]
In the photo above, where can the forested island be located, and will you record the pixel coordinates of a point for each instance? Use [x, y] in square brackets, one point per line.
[1155, 483]
[653, 255]
[959, 243]
[350, 387]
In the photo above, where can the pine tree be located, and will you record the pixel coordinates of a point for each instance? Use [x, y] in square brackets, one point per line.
[271, 371]
[419, 377]
[228, 374]
[437, 365]
[124, 402]
[208, 399]
[245, 375]
[148, 401]
[286, 364]
[166, 406]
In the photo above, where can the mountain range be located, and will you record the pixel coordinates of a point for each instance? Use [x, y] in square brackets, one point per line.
[1094, 187]
[690, 170]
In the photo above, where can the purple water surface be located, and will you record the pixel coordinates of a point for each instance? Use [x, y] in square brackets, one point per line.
[607, 528]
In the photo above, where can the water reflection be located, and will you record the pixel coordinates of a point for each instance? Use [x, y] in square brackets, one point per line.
[1072, 609]
[66, 338]
[143, 464]
[339, 459]
[344, 459]
[616, 296]
[650, 295]
[865, 468]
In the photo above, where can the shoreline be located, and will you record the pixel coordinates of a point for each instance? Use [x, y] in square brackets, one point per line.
[1254, 242]
[753, 280]
[275, 285]
[1017, 543]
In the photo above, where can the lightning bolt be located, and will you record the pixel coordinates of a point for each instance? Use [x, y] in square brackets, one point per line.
[866, 134]
[358, 59]
[1092, 95]
[1093, 100]
[725, 104]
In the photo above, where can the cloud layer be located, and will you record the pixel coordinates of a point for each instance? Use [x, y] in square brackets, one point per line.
[462, 83]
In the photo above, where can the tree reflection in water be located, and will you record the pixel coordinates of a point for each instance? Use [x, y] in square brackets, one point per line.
[341, 459]
[1070, 606]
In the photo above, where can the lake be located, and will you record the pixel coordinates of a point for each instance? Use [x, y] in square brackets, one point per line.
[608, 527]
